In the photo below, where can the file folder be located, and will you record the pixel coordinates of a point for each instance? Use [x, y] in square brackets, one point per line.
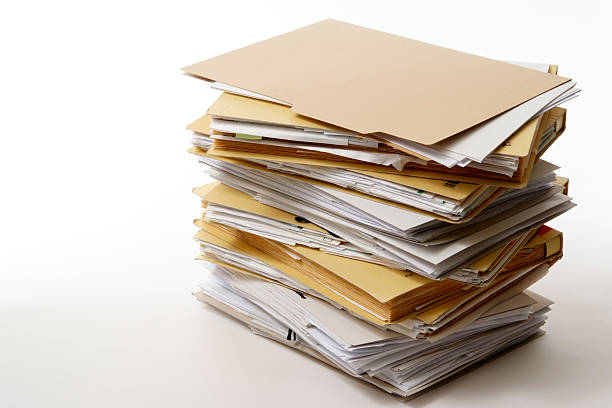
[370, 82]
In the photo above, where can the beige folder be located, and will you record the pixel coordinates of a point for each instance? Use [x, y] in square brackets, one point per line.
[542, 245]
[453, 190]
[379, 294]
[463, 192]
[523, 144]
[368, 81]
[241, 108]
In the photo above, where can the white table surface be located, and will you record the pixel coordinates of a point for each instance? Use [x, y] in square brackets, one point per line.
[96, 251]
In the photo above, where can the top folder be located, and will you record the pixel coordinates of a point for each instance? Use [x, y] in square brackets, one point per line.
[368, 81]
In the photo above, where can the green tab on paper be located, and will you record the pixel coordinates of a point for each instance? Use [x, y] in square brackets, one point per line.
[247, 137]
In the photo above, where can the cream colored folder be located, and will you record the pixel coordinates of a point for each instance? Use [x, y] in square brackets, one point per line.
[523, 144]
[542, 245]
[457, 191]
[379, 294]
[237, 107]
[341, 74]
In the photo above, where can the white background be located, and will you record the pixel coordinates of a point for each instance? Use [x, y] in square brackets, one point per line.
[95, 235]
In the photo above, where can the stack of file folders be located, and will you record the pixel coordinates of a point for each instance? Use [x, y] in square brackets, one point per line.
[380, 203]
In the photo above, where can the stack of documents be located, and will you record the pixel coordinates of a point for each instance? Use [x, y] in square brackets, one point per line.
[380, 203]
